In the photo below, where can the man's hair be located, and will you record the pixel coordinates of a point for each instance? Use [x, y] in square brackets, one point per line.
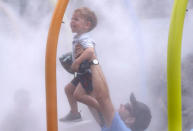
[142, 114]
[88, 15]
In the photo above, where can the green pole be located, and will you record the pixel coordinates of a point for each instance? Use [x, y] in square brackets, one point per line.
[174, 65]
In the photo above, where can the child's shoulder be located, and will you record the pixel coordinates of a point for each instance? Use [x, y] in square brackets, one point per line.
[86, 39]
[85, 36]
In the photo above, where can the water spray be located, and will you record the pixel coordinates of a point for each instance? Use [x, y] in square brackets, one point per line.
[173, 65]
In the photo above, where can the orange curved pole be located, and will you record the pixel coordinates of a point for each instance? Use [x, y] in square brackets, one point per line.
[50, 65]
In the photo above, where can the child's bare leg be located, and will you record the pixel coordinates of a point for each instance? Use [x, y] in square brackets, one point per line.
[80, 95]
[69, 90]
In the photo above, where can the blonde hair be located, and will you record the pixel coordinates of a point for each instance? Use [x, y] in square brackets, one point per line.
[88, 15]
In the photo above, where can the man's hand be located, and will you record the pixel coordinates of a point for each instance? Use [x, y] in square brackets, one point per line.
[75, 66]
[78, 50]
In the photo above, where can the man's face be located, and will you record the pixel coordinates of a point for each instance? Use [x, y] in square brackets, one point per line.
[78, 24]
[125, 112]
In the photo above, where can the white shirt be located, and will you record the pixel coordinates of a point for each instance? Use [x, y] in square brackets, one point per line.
[84, 40]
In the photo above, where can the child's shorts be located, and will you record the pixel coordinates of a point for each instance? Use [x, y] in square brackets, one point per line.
[85, 80]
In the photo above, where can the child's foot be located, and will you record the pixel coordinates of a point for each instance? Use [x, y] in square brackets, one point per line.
[75, 117]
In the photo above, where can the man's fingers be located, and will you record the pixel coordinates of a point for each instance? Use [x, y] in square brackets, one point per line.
[78, 50]
[78, 53]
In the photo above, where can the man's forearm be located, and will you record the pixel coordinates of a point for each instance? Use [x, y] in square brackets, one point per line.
[97, 116]
[101, 94]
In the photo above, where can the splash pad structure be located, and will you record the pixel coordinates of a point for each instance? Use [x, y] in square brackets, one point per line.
[174, 66]
[51, 98]
[173, 94]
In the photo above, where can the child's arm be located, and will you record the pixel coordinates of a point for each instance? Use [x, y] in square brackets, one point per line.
[85, 55]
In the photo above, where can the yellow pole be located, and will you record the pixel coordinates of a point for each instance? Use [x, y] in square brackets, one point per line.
[50, 69]
[174, 66]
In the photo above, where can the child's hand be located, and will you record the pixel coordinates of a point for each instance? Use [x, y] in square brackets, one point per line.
[75, 66]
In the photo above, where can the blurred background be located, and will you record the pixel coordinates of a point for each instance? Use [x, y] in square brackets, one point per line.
[131, 43]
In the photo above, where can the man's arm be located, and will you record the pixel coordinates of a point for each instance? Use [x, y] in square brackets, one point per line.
[101, 93]
[84, 55]
[100, 87]
[97, 116]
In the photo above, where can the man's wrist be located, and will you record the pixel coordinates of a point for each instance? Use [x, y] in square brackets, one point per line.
[92, 57]
[94, 62]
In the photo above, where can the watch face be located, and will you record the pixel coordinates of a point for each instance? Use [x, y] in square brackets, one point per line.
[95, 62]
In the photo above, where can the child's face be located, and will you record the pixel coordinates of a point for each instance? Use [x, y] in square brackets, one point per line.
[78, 24]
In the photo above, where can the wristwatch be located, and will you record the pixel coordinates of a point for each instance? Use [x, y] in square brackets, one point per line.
[94, 62]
